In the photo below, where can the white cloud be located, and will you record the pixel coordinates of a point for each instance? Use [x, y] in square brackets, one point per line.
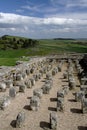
[32, 7]
[20, 10]
[69, 2]
[28, 7]
[37, 27]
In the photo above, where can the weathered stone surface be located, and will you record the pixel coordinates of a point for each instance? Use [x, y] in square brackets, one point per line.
[24, 75]
[12, 92]
[59, 67]
[2, 86]
[60, 104]
[46, 88]
[18, 83]
[27, 71]
[4, 102]
[34, 103]
[20, 119]
[9, 83]
[48, 76]
[84, 105]
[84, 81]
[83, 88]
[22, 88]
[36, 77]
[40, 75]
[45, 70]
[32, 81]
[38, 92]
[65, 75]
[49, 67]
[53, 121]
[66, 90]
[28, 83]
[72, 84]
[32, 70]
[60, 94]
[49, 82]
[19, 77]
[83, 63]
[55, 71]
[79, 96]
[41, 72]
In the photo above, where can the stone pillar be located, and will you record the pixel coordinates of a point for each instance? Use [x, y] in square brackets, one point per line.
[20, 119]
[34, 103]
[53, 121]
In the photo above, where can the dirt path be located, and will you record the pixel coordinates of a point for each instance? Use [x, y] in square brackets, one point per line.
[70, 119]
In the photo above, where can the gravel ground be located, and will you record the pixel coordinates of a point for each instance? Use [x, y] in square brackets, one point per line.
[71, 119]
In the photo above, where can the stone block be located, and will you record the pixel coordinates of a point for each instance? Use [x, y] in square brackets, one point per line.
[38, 92]
[79, 95]
[46, 88]
[66, 90]
[12, 92]
[4, 102]
[27, 72]
[19, 77]
[36, 77]
[22, 88]
[49, 82]
[32, 70]
[28, 84]
[60, 104]
[84, 105]
[83, 81]
[59, 68]
[53, 72]
[34, 103]
[32, 81]
[24, 75]
[9, 83]
[48, 76]
[20, 119]
[83, 88]
[53, 121]
[60, 93]
[3, 86]
[65, 75]
[72, 84]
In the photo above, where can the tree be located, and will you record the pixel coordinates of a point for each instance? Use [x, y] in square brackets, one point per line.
[15, 46]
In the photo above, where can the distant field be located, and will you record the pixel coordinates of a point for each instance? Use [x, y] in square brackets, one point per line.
[44, 47]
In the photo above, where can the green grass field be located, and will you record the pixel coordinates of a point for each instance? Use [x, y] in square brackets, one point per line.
[45, 47]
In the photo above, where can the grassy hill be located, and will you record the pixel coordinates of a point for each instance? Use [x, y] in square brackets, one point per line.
[13, 47]
[14, 42]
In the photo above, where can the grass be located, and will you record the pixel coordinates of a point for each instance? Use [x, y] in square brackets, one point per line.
[45, 47]
[8, 61]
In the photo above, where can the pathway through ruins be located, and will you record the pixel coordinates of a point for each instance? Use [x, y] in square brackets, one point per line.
[71, 119]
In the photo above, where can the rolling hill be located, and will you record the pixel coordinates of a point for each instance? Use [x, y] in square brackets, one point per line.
[14, 47]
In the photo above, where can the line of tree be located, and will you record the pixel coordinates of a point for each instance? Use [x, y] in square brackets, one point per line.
[7, 42]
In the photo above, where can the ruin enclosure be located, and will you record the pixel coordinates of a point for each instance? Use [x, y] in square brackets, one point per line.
[44, 93]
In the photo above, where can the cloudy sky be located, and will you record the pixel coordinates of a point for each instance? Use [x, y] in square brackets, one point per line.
[44, 18]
